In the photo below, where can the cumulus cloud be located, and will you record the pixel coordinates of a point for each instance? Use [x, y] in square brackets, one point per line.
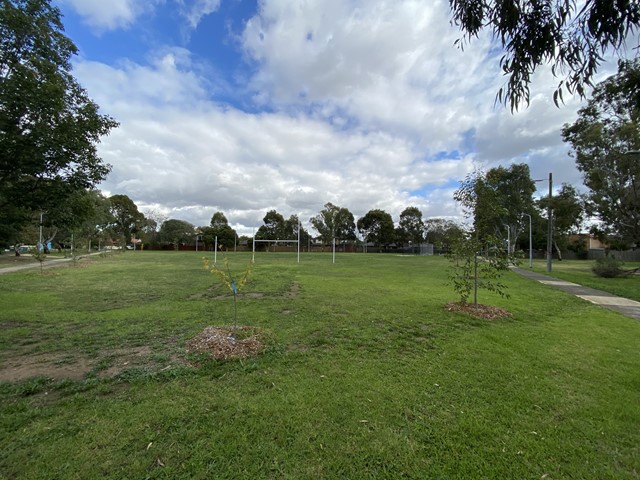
[110, 15]
[362, 104]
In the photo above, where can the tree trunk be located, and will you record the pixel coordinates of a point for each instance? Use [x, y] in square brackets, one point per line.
[558, 251]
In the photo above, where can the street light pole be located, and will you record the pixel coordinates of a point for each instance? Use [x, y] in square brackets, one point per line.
[549, 225]
[530, 243]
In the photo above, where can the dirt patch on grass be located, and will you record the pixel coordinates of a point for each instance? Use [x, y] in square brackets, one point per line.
[227, 342]
[62, 365]
[486, 312]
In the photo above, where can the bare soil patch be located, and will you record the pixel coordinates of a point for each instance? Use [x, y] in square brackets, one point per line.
[61, 365]
[227, 342]
[486, 312]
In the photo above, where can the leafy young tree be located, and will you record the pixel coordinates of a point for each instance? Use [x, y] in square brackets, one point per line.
[334, 222]
[126, 219]
[570, 36]
[410, 227]
[467, 269]
[176, 232]
[377, 227]
[481, 202]
[608, 128]
[49, 127]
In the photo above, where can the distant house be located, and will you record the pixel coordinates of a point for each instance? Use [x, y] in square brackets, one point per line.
[590, 241]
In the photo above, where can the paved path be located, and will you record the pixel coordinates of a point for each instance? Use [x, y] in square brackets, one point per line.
[47, 264]
[627, 307]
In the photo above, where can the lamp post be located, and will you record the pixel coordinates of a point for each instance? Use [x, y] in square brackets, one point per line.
[530, 243]
[549, 225]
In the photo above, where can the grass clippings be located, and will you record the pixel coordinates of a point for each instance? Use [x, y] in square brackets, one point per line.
[223, 343]
[486, 312]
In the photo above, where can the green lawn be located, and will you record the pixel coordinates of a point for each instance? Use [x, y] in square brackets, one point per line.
[366, 375]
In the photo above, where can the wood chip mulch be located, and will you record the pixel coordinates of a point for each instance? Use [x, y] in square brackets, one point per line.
[486, 312]
[227, 342]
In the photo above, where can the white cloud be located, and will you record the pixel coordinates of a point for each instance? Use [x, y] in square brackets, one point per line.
[367, 105]
[112, 14]
[195, 10]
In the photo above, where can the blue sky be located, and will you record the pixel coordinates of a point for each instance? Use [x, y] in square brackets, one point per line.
[243, 106]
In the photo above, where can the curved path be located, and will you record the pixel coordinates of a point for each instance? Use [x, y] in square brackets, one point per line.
[627, 307]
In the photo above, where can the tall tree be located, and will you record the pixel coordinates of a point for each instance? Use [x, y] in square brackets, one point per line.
[220, 228]
[496, 201]
[273, 228]
[49, 127]
[291, 227]
[176, 232]
[570, 36]
[377, 227]
[334, 222]
[606, 130]
[127, 220]
[411, 226]
[568, 214]
[442, 232]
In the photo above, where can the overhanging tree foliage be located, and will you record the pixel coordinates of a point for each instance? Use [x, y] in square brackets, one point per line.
[49, 127]
[568, 35]
[601, 139]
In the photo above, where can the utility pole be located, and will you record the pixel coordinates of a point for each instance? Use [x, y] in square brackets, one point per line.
[549, 225]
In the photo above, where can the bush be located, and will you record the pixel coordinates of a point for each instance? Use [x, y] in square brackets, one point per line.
[607, 267]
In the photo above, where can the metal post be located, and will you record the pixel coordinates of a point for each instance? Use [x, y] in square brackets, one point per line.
[334, 249]
[549, 225]
[40, 243]
[530, 245]
[215, 253]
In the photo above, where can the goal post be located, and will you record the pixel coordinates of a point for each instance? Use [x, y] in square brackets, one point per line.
[276, 241]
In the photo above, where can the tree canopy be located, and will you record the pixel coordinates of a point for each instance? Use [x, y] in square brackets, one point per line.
[176, 232]
[126, 219]
[570, 36]
[334, 222]
[377, 227]
[49, 127]
[411, 226]
[496, 200]
[219, 227]
[601, 139]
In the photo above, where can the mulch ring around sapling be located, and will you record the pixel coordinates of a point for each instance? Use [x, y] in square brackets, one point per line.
[486, 312]
[223, 343]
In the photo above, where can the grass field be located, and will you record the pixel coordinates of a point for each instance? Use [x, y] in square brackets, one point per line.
[365, 375]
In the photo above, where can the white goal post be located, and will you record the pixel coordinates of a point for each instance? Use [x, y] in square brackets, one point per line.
[297, 242]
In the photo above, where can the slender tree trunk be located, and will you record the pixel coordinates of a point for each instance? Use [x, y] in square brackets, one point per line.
[558, 250]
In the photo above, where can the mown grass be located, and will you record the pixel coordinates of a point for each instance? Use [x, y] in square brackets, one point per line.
[579, 271]
[367, 376]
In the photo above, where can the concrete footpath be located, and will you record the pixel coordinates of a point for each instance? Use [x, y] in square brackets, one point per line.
[627, 307]
[46, 264]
